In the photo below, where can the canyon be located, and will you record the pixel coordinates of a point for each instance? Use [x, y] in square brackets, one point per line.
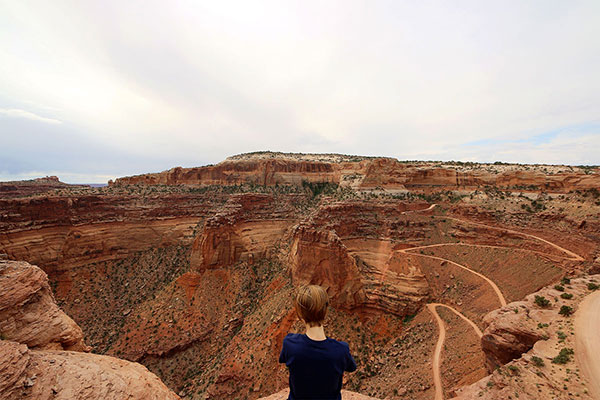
[188, 275]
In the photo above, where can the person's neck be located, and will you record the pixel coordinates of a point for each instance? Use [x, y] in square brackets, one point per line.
[315, 332]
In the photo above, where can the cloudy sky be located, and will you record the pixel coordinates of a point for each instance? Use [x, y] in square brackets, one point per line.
[90, 90]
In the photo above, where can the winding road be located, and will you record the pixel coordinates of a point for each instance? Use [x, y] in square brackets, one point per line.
[587, 338]
[437, 354]
[587, 341]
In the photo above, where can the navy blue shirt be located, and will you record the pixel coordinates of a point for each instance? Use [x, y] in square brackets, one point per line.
[316, 366]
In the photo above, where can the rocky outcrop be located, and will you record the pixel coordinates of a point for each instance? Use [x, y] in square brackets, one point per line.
[346, 248]
[245, 229]
[319, 257]
[28, 312]
[66, 375]
[33, 364]
[33, 187]
[514, 329]
[365, 173]
[533, 336]
[260, 172]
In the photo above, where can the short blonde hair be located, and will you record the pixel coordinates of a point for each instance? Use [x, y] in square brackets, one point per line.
[311, 304]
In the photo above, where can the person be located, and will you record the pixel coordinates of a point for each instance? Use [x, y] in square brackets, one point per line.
[316, 362]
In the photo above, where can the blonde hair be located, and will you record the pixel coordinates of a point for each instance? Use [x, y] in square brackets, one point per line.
[311, 304]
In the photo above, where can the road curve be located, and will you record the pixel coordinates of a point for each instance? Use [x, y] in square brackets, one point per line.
[587, 341]
[488, 280]
[437, 354]
[467, 320]
[572, 255]
[424, 209]
[587, 319]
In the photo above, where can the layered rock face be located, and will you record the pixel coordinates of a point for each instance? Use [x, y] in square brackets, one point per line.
[364, 173]
[245, 229]
[32, 363]
[61, 232]
[194, 277]
[346, 248]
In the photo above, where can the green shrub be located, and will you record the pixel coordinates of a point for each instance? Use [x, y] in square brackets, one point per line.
[593, 286]
[514, 369]
[567, 296]
[559, 288]
[566, 311]
[541, 301]
[565, 281]
[564, 356]
[537, 361]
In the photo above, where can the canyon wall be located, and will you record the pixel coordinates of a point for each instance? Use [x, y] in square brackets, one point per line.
[61, 232]
[369, 173]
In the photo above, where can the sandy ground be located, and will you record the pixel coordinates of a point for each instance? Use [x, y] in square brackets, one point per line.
[587, 341]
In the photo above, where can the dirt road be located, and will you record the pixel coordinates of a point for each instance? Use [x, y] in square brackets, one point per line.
[587, 320]
[495, 287]
[587, 341]
[437, 354]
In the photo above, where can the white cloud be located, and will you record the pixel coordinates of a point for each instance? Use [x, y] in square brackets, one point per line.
[193, 80]
[16, 113]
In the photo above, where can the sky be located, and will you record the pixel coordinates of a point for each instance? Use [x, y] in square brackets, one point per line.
[93, 90]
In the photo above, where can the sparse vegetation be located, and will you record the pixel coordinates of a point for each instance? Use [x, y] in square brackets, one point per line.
[564, 356]
[565, 311]
[541, 301]
[537, 361]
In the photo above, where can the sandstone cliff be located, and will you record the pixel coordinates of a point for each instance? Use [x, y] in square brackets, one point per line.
[29, 314]
[345, 248]
[34, 331]
[369, 173]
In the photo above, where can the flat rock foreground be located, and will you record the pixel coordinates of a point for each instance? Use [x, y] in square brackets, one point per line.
[448, 280]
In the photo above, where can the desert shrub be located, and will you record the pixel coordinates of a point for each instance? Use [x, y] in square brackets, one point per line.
[561, 335]
[537, 361]
[541, 301]
[565, 281]
[566, 296]
[564, 356]
[560, 288]
[593, 286]
[566, 311]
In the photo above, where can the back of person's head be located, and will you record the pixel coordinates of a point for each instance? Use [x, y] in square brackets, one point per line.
[311, 304]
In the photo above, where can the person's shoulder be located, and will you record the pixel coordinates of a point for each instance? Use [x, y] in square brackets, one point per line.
[340, 343]
[291, 338]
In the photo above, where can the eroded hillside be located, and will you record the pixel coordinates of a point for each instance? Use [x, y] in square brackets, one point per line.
[191, 272]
